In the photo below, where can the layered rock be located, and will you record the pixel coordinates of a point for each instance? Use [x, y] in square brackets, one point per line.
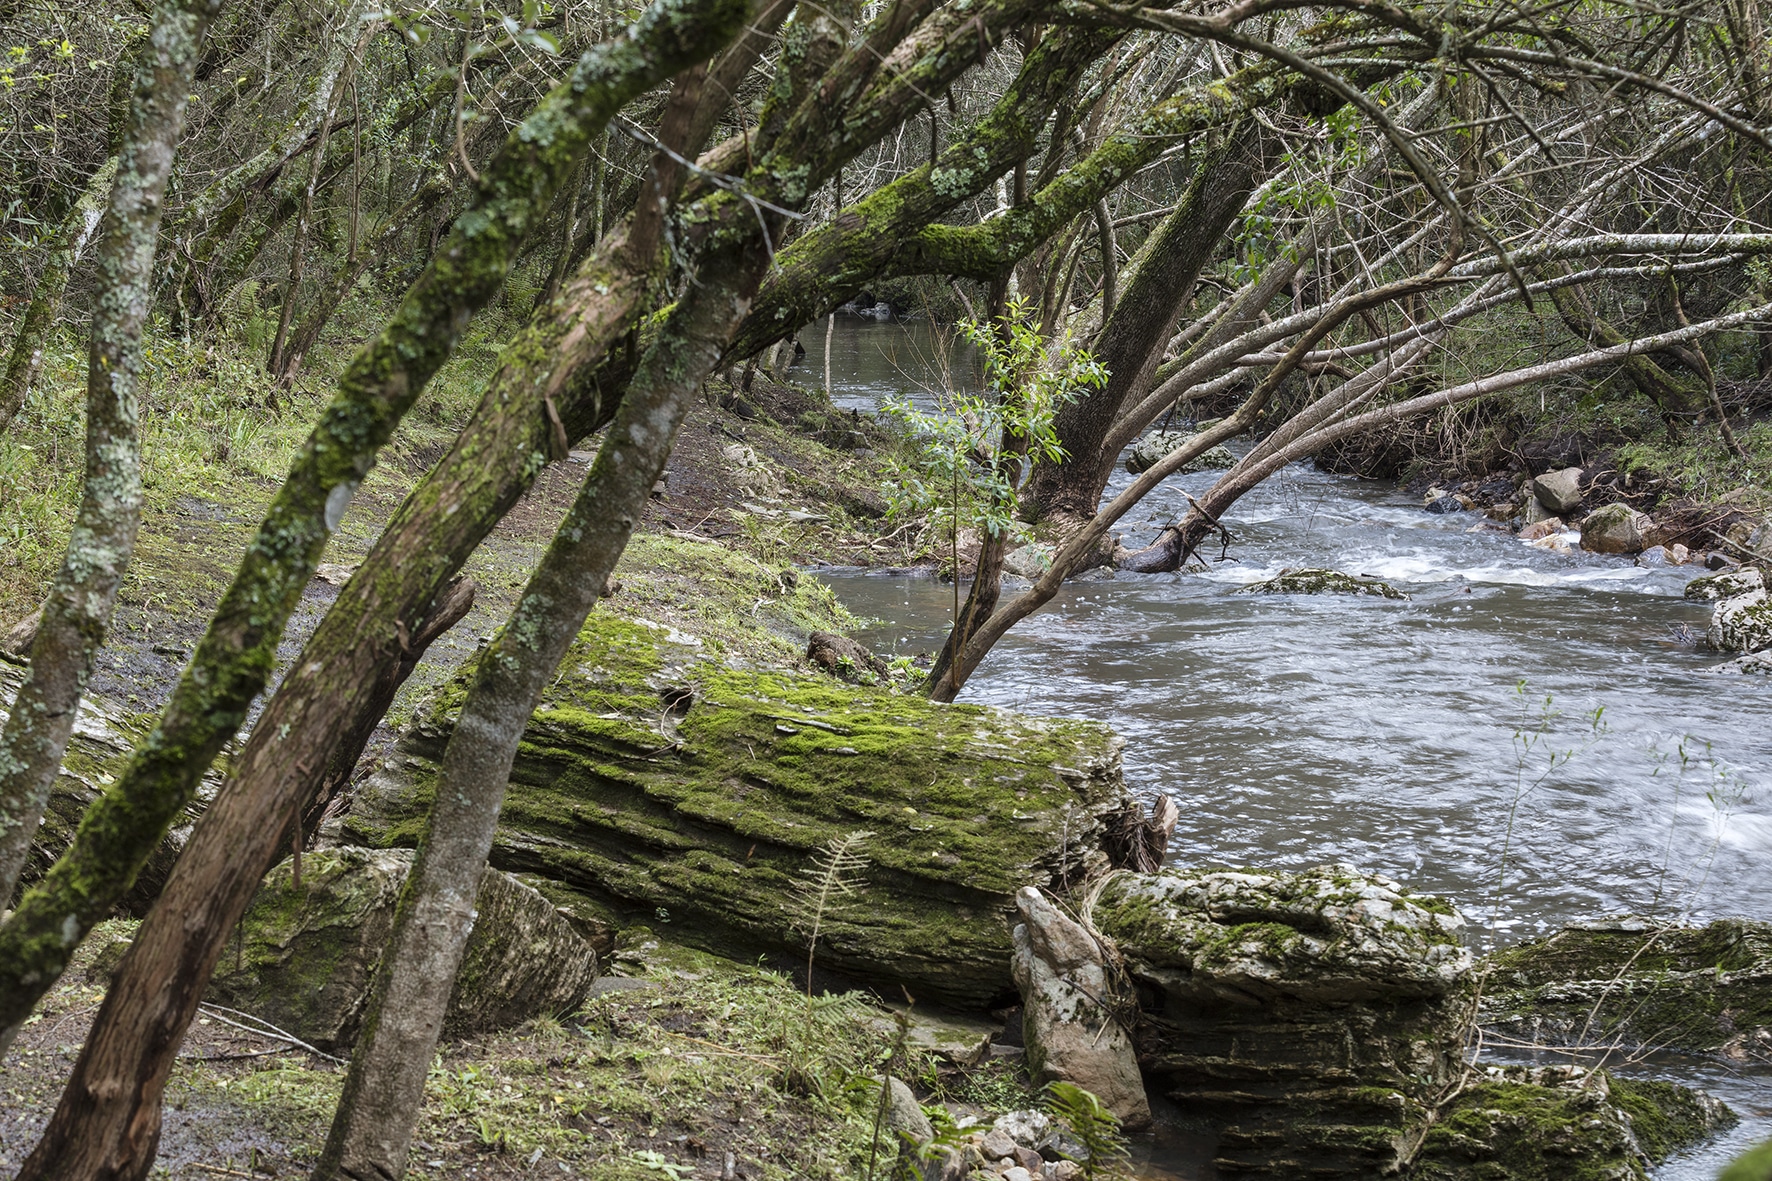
[1321, 582]
[305, 955]
[1641, 983]
[655, 784]
[1308, 1015]
[1532, 1124]
[1076, 1020]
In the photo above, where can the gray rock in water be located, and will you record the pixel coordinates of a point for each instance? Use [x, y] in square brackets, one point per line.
[1321, 582]
[305, 956]
[1640, 982]
[1069, 1020]
[1614, 529]
[1726, 585]
[1329, 935]
[1742, 623]
[1028, 561]
[1560, 491]
[1151, 449]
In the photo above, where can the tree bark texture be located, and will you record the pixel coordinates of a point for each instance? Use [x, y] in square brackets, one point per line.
[372, 1130]
[25, 360]
[107, 1123]
[1150, 305]
[78, 609]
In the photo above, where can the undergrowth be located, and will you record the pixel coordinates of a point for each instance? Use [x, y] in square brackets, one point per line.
[216, 430]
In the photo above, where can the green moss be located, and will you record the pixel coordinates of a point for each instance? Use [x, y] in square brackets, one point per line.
[1318, 582]
[1563, 1125]
[1665, 1117]
[657, 780]
[1684, 988]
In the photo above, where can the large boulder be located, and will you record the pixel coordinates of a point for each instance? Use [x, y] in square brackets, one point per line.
[1559, 492]
[1742, 623]
[1307, 1016]
[1321, 582]
[1154, 447]
[1642, 983]
[305, 955]
[1317, 1021]
[1615, 529]
[1074, 1016]
[655, 784]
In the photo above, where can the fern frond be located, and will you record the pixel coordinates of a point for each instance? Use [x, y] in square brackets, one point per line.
[835, 873]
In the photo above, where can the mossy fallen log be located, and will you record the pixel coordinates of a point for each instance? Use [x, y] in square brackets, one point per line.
[656, 785]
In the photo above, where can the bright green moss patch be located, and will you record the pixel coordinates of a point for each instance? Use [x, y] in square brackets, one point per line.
[658, 782]
[1564, 1125]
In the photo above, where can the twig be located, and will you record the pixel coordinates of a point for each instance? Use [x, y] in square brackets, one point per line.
[216, 1012]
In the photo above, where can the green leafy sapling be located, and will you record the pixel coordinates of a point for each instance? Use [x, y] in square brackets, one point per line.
[970, 458]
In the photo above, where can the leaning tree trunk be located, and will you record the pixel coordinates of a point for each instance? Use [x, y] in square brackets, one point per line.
[84, 593]
[26, 358]
[1144, 318]
[376, 1112]
[107, 1122]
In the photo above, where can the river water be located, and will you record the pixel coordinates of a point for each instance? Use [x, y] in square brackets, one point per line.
[1450, 741]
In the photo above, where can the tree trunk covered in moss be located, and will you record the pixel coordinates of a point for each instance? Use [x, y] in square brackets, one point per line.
[1150, 305]
[833, 263]
[108, 1117]
[78, 609]
[985, 251]
[26, 358]
[372, 1129]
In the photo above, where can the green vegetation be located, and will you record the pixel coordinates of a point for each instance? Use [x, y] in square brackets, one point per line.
[696, 1058]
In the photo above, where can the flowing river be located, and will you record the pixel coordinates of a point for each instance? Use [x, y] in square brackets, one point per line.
[1528, 735]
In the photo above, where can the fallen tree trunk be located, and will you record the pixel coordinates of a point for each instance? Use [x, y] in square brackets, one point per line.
[654, 786]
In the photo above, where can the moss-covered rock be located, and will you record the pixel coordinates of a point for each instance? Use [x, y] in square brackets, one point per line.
[1726, 585]
[1742, 623]
[1308, 1016]
[304, 956]
[1640, 982]
[1321, 582]
[1562, 1124]
[655, 783]
[1150, 451]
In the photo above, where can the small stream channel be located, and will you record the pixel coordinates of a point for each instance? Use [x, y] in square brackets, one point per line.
[1400, 737]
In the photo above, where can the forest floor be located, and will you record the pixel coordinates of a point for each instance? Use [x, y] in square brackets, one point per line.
[679, 1065]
